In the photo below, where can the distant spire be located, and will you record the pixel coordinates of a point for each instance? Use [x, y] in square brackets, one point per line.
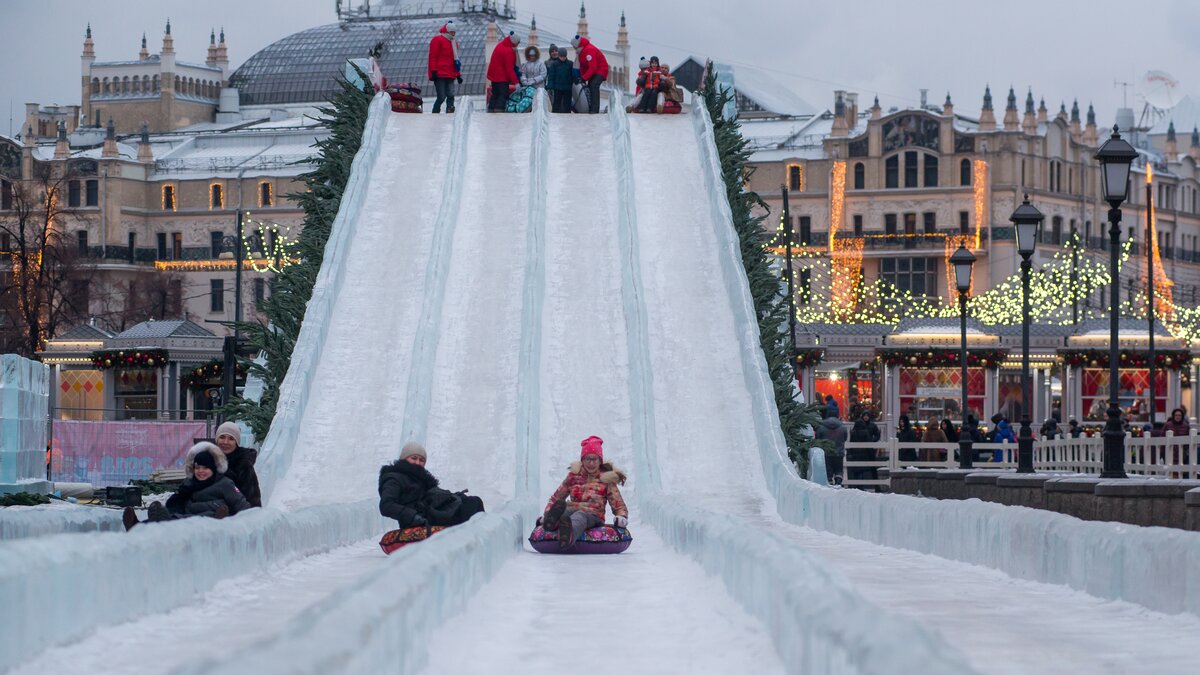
[582, 10]
[622, 24]
[533, 22]
[222, 34]
[144, 41]
[212, 36]
[1012, 99]
[987, 97]
[948, 101]
[88, 34]
[1091, 115]
[1171, 131]
[1029, 102]
[168, 26]
[62, 130]
[145, 133]
[1075, 110]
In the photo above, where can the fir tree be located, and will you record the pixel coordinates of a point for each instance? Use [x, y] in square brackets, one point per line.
[768, 291]
[346, 117]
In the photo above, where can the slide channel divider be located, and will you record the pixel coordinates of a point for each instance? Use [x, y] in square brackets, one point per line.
[424, 352]
[277, 448]
[442, 574]
[818, 622]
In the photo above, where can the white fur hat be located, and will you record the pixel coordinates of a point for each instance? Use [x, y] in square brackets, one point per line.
[189, 464]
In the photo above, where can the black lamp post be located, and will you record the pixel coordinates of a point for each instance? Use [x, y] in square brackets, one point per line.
[1028, 221]
[788, 233]
[962, 261]
[1115, 157]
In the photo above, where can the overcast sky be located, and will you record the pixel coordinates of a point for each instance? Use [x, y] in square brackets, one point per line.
[882, 47]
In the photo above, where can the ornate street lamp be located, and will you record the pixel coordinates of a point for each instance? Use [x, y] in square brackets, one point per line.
[962, 261]
[1028, 221]
[1115, 157]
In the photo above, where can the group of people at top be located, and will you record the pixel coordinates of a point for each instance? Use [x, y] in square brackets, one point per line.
[221, 481]
[506, 74]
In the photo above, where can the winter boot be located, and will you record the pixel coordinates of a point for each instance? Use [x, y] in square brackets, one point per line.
[222, 511]
[566, 534]
[129, 517]
[157, 513]
[556, 510]
[449, 109]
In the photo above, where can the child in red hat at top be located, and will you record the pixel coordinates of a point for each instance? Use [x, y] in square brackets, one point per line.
[590, 483]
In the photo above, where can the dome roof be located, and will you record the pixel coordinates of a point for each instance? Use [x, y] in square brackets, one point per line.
[303, 67]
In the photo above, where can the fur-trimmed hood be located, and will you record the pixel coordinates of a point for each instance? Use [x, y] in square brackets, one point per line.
[416, 473]
[609, 474]
[189, 464]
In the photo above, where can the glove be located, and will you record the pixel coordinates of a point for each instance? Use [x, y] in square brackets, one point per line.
[621, 521]
[458, 65]
[433, 76]
[460, 79]
[420, 521]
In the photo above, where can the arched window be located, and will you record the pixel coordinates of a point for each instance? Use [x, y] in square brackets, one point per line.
[146, 84]
[154, 81]
[911, 159]
[1056, 230]
[964, 172]
[136, 83]
[891, 172]
[859, 175]
[104, 86]
[125, 85]
[95, 86]
[931, 171]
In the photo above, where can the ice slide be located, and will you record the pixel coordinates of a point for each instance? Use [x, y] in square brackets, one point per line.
[617, 263]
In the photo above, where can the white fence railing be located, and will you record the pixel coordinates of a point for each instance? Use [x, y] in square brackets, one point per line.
[1163, 456]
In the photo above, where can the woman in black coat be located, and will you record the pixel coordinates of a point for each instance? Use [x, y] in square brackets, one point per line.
[241, 462]
[410, 495]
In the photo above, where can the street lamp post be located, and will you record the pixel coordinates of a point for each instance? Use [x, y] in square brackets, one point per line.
[1150, 309]
[787, 231]
[1028, 221]
[962, 261]
[1115, 157]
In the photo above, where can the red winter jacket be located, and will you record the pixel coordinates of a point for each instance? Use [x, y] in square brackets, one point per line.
[591, 60]
[503, 66]
[441, 55]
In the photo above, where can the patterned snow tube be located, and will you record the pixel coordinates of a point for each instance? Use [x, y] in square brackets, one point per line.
[598, 540]
[394, 540]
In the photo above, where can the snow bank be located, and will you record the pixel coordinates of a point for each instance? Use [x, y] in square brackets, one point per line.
[276, 454]
[384, 621]
[23, 522]
[818, 622]
[62, 586]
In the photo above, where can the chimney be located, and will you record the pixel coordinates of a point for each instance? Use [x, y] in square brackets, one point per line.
[145, 154]
[110, 142]
[839, 114]
[1172, 145]
[851, 111]
[948, 106]
[1090, 135]
[1011, 122]
[987, 119]
[61, 149]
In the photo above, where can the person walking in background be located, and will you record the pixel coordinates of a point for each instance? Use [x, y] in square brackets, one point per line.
[831, 407]
[864, 431]
[905, 433]
[1073, 428]
[558, 80]
[444, 66]
[593, 70]
[831, 429]
[502, 72]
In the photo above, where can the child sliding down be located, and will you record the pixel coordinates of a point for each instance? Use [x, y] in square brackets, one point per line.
[590, 483]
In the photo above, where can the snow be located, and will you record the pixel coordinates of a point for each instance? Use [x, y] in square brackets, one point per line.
[646, 610]
[235, 613]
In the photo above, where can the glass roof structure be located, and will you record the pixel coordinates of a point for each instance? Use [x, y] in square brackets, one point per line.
[303, 67]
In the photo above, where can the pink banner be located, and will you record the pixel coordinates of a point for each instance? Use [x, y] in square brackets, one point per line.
[112, 453]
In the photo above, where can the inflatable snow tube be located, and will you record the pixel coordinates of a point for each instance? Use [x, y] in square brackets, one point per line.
[394, 540]
[598, 540]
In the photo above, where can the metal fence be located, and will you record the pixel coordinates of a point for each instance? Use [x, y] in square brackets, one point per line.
[1161, 456]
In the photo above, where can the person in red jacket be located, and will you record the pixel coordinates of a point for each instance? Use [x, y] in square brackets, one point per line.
[444, 66]
[502, 72]
[593, 70]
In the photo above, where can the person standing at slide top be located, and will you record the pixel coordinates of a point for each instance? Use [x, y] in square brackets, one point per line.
[444, 66]
[593, 70]
[502, 72]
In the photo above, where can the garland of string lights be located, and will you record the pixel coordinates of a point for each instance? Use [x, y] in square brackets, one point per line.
[282, 253]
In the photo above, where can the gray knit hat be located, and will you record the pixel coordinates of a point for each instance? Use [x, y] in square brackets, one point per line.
[231, 429]
[412, 448]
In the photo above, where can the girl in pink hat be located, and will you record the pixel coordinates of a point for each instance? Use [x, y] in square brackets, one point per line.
[591, 483]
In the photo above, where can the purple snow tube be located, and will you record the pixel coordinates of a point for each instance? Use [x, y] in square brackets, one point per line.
[598, 540]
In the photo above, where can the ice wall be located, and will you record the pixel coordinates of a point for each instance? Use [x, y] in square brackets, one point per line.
[23, 522]
[24, 410]
[276, 454]
[62, 586]
[382, 624]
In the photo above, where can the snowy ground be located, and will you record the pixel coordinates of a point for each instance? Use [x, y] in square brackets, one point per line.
[648, 610]
[235, 613]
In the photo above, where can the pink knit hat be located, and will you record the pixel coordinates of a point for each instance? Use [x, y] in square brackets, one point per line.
[592, 445]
